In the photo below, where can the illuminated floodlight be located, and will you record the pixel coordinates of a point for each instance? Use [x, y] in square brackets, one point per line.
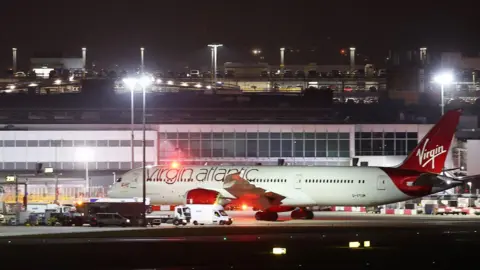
[130, 83]
[170, 82]
[57, 81]
[443, 78]
[215, 45]
[145, 81]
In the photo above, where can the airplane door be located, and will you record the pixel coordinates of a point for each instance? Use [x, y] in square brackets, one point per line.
[298, 181]
[382, 182]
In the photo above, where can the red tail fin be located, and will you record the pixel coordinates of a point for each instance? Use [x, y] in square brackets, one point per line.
[431, 153]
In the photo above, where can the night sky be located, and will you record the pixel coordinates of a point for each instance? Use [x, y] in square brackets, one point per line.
[176, 32]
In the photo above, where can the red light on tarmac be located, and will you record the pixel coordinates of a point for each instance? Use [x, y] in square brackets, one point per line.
[175, 165]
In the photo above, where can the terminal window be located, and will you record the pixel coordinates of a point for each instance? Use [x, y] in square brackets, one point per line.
[75, 143]
[385, 143]
[186, 145]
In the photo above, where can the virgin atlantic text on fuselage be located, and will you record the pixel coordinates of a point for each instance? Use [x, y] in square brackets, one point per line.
[171, 175]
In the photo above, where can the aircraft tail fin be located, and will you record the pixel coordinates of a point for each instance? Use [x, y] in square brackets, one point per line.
[430, 154]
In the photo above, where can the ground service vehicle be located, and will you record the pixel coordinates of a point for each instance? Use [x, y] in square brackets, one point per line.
[130, 210]
[209, 214]
[180, 216]
[109, 219]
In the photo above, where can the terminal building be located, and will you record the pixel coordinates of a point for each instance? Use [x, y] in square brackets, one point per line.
[68, 148]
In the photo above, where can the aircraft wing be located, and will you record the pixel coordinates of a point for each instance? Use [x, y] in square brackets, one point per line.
[468, 178]
[446, 179]
[237, 188]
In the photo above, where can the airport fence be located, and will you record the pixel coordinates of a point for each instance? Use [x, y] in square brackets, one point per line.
[44, 194]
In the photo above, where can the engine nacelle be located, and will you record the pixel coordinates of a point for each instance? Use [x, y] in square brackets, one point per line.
[201, 196]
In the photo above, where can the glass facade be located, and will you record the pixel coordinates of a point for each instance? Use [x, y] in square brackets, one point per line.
[33, 144]
[111, 165]
[74, 143]
[197, 145]
[385, 143]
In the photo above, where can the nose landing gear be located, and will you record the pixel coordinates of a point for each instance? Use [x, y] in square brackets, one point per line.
[266, 216]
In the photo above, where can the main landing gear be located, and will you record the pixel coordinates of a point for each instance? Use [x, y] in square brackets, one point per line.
[266, 216]
[302, 214]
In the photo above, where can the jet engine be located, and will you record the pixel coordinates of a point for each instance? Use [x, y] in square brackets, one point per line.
[202, 196]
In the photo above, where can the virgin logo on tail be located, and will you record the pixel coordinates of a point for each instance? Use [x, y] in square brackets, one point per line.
[428, 156]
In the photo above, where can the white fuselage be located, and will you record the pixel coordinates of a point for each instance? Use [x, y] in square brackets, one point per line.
[300, 185]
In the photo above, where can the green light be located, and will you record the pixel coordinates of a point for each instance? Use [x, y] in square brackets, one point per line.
[224, 238]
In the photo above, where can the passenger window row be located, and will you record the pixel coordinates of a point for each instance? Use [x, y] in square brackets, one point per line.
[268, 180]
[337, 181]
[272, 180]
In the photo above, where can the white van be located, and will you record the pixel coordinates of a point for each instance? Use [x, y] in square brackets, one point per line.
[208, 214]
[195, 73]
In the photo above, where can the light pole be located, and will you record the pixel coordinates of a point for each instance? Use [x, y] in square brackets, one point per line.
[14, 52]
[85, 155]
[282, 59]
[84, 60]
[144, 82]
[444, 78]
[131, 83]
[214, 51]
[142, 54]
[213, 75]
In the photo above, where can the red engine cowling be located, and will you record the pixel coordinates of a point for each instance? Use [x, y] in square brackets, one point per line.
[201, 196]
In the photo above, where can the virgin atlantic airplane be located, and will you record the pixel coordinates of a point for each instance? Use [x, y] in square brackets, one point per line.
[274, 189]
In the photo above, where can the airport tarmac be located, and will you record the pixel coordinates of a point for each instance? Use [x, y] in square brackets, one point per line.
[246, 219]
